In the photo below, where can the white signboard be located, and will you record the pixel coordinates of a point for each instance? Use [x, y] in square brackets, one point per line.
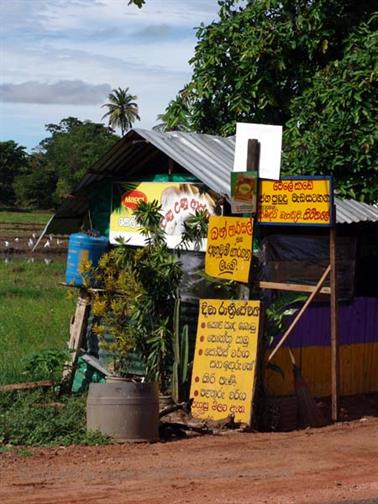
[270, 138]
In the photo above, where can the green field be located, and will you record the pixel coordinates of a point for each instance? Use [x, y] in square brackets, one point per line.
[34, 313]
[24, 217]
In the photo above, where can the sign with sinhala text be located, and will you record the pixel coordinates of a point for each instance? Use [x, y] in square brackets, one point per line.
[178, 200]
[296, 201]
[224, 364]
[229, 247]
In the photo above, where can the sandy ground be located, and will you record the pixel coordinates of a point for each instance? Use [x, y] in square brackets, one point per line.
[335, 464]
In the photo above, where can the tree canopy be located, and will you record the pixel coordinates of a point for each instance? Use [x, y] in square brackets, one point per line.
[61, 160]
[333, 127]
[309, 65]
[13, 159]
[122, 109]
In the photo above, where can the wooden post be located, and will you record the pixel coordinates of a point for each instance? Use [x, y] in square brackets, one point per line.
[334, 327]
[77, 332]
[253, 155]
[253, 160]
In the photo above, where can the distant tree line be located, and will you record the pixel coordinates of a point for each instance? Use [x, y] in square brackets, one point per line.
[40, 180]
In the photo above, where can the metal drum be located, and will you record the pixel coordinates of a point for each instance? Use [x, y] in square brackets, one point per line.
[124, 410]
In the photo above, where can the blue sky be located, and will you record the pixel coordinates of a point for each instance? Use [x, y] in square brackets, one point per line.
[61, 58]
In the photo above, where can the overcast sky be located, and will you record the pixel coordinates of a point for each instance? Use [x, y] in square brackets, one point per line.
[61, 58]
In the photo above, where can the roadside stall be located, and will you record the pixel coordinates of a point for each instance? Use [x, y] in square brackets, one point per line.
[191, 171]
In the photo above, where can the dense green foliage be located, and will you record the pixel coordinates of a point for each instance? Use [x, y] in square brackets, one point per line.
[333, 126]
[291, 62]
[41, 179]
[72, 148]
[122, 109]
[47, 364]
[36, 184]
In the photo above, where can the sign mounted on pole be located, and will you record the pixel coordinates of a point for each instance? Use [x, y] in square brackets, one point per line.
[224, 365]
[229, 248]
[244, 192]
[270, 139]
[306, 201]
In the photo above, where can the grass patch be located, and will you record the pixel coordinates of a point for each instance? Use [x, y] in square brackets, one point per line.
[34, 328]
[34, 314]
[24, 217]
[41, 418]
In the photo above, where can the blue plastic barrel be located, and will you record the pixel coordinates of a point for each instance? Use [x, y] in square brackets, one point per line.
[82, 247]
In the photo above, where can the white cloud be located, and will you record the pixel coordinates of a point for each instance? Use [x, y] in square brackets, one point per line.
[49, 42]
[74, 92]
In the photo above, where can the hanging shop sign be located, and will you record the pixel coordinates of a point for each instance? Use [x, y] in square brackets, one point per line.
[224, 366]
[243, 192]
[270, 139]
[178, 201]
[296, 201]
[229, 248]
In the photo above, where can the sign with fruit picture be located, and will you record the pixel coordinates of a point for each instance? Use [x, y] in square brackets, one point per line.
[244, 192]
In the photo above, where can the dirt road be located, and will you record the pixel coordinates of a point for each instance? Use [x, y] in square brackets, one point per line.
[335, 464]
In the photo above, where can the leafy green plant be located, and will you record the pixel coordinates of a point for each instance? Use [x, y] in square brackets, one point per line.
[277, 313]
[195, 229]
[45, 365]
[180, 369]
[137, 303]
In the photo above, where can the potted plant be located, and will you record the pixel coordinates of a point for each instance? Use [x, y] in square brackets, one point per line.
[135, 305]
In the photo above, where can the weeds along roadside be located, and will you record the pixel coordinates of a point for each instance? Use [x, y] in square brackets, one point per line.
[42, 418]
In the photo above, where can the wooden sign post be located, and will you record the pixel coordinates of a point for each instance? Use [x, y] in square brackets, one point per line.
[306, 202]
[334, 326]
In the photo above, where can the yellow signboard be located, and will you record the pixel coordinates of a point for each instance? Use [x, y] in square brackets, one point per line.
[229, 247]
[224, 365]
[178, 200]
[306, 202]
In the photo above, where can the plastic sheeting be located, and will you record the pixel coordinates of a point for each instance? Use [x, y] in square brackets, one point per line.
[302, 259]
[194, 284]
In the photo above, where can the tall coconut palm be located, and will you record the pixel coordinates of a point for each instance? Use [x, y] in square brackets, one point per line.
[122, 109]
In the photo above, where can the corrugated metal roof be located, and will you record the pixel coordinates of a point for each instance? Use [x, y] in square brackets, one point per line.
[352, 211]
[209, 158]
